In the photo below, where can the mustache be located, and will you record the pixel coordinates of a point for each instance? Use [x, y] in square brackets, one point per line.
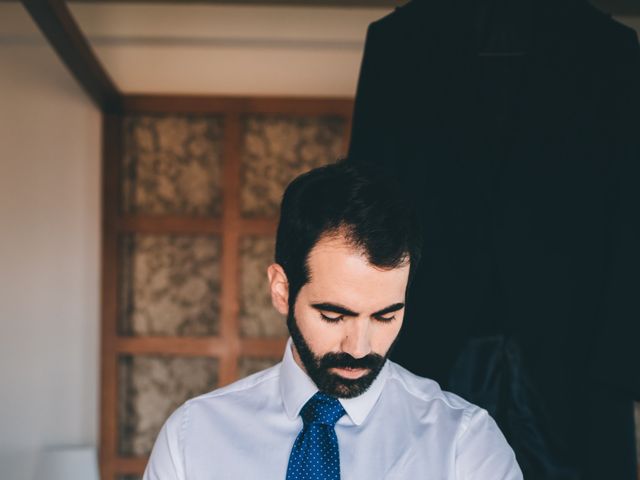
[344, 360]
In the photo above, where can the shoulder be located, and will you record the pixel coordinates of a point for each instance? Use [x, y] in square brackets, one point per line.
[424, 390]
[240, 394]
[402, 17]
[605, 23]
[480, 449]
[425, 399]
[245, 386]
[596, 32]
[259, 384]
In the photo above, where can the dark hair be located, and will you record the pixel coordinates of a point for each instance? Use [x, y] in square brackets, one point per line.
[369, 208]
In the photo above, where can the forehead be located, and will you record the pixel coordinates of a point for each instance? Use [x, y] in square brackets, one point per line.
[342, 273]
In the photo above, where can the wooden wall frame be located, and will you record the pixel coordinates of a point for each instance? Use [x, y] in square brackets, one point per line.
[229, 345]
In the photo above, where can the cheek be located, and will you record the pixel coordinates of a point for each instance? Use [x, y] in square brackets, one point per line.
[384, 334]
[321, 336]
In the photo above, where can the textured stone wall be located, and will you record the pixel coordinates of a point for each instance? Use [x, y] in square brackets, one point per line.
[151, 388]
[172, 165]
[170, 285]
[249, 366]
[276, 149]
[258, 318]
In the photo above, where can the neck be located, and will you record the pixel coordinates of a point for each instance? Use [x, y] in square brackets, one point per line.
[297, 359]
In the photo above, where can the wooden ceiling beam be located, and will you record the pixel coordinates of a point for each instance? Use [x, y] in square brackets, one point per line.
[55, 21]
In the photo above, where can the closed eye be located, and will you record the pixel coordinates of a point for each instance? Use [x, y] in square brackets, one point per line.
[331, 319]
[384, 319]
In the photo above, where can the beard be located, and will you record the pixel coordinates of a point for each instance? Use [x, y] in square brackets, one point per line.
[317, 367]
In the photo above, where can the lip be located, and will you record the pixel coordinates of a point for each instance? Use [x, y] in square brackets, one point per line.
[350, 373]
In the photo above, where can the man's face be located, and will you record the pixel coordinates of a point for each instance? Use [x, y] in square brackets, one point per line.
[346, 317]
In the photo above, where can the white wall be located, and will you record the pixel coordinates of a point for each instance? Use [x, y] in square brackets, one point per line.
[49, 247]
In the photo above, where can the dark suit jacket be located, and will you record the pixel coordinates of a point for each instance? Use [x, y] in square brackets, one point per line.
[527, 173]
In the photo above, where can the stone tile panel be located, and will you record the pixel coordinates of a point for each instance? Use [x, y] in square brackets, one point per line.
[258, 317]
[151, 388]
[170, 285]
[248, 366]
[276, 149]
[172, 165]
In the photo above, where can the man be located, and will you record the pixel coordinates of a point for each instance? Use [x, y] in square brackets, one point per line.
[346, 248]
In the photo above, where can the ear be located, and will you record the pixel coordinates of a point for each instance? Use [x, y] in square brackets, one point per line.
[279, 288]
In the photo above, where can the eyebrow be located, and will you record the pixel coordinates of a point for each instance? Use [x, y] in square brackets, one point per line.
[332, 307]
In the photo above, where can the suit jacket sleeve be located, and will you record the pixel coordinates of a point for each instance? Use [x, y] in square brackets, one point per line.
[371, 140]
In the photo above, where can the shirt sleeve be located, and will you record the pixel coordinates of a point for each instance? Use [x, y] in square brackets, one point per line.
[482, 452]
[166, 461]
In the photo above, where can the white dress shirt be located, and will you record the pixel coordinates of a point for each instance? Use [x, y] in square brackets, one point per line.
[402, 427]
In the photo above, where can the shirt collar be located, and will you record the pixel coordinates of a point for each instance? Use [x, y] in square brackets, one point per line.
[296, 388]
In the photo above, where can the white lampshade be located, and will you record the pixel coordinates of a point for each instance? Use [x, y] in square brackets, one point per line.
[68, 463]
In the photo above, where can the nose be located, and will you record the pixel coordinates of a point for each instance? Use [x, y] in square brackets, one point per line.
[357, 338]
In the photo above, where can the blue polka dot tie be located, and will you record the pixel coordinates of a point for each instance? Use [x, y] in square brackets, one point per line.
[315, 454]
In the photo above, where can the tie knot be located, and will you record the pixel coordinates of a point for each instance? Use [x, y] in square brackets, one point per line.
[322, 408]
